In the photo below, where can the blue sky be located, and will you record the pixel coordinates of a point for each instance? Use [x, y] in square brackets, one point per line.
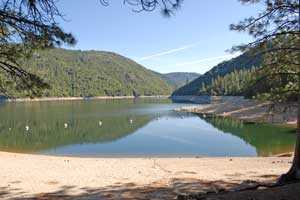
[193, 40]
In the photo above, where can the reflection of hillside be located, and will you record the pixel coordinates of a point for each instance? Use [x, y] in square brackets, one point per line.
[267, 139]
[46, 121]
[52, 134]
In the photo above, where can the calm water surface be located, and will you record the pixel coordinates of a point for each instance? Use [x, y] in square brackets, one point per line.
[132, 128]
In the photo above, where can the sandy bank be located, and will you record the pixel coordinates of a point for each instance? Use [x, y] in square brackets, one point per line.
[129, 178]
[242, 109]
[78, 98]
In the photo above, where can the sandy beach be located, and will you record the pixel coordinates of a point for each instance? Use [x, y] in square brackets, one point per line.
[25, 176]
[44, 177]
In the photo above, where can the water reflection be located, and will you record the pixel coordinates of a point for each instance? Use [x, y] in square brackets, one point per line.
[267, 139]
[140, 127]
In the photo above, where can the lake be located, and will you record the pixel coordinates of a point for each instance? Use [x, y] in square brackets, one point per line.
[132, 128]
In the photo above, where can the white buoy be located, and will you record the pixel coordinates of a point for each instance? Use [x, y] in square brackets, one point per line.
[100, 123]
[131, 121]
[66, 125]
[204, 115]
[27, 128]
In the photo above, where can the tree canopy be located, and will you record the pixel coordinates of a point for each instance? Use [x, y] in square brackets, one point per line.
[29, 25]
[276, 33]
[167, 6]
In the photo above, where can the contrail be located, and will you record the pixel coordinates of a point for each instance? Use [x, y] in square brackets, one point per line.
[171, 51]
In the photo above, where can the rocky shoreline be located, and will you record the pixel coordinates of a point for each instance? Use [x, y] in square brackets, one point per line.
[238, 107]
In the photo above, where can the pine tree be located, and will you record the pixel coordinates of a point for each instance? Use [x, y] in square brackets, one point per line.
[277, 31]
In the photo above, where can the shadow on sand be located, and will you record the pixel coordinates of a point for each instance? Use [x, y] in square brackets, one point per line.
[171, 190]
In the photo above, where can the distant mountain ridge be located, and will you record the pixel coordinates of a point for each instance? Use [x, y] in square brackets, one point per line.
[244, 61]
[178, 79]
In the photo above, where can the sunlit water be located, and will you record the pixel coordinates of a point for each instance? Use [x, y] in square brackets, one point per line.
[132, 128]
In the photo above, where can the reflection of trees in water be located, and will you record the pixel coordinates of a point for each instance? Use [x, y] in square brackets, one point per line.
[267, 139]
[50, 134]
[46, 123]
[175, 114]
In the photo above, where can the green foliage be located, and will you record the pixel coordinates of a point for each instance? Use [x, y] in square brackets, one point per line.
[235, 83]
[27, 25]
[276, 30]
[278, 80]
[198, 86]
[91, 73]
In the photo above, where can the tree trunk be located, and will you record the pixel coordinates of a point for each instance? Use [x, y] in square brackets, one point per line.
[294, 173]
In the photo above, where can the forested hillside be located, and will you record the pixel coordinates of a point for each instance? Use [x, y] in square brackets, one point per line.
[213, 83]
[234, 83]
[93, 73]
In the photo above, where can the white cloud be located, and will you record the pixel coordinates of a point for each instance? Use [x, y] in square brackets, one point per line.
[171, 51]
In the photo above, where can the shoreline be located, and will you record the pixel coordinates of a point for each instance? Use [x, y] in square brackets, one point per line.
[78, 98]
[26, 175]
[239, 108]
[35, 176]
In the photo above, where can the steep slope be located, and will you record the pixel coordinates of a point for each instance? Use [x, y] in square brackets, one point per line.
[94, 73]
[244, 61]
